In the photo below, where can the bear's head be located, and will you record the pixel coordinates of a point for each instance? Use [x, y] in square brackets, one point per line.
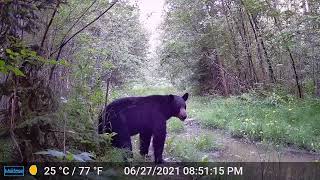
[179, 108]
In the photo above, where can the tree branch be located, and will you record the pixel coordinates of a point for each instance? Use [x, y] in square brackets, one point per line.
[50, 22]
[95, 19]
[75, 23]
[68, 40]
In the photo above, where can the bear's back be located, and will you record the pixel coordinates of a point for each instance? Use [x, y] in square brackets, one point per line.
[125, 102]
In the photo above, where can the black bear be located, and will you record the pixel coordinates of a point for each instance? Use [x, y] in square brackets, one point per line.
[146, 116]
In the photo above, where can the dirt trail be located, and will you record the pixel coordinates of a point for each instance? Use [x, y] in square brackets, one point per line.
[241, 149]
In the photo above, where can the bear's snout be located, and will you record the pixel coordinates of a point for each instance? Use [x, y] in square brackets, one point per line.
[182, 114]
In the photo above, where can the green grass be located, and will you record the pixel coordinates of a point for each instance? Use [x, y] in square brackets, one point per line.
[191, 149]
[282, 120]
[175, 125]
[205, 142]
[183, 149]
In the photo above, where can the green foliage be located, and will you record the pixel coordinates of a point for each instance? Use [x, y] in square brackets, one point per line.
[13, 59]
[309, 88]
[191, 149]
[205, 142]
[80, 114]
[149, 90]
[175, 125]
[255, 6]
[280, 119]
[182, 149]
[113, 155]
[19, 16]
[181, 46]
[18, 55]
[107, 137]
[250, 37]
[116, 50]
[6, 68]
[115, 45]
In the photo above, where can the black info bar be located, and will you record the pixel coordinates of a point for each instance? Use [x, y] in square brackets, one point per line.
[169, 170]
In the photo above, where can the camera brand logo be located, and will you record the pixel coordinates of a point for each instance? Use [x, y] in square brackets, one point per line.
[13, 170]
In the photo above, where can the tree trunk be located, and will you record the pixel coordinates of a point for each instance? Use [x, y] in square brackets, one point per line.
[293, 64]
[233, 39]
[107, 91]
[270, 69]
[250, 17]
[222, 75]
[245, 41]
[259, 50]
[49, 24]
[295, 73]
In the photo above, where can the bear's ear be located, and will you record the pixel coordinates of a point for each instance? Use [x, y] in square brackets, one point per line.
[185, 96]
[171, 97]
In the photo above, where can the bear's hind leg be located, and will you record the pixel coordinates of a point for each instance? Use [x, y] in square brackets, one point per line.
[122, 140]
[145, 138]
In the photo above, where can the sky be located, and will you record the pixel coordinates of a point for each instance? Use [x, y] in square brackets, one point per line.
[151, 18]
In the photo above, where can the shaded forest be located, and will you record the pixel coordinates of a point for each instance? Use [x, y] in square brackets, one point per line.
[230, 47]
[56, 59]
[252, 67]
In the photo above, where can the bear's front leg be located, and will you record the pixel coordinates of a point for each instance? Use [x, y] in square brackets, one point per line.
[159, 137]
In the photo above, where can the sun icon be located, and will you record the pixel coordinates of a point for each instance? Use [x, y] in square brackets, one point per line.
[33, 170]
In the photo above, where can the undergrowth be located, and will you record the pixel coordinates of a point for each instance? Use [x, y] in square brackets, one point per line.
[175, 125]
[275, 118]
[191, 149]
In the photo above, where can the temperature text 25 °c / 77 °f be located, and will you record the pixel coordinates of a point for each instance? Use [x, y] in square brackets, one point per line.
[71, 171]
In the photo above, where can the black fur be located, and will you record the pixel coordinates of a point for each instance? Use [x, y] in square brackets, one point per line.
[146, 116]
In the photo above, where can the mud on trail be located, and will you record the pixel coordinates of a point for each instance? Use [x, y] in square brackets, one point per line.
[244, 150]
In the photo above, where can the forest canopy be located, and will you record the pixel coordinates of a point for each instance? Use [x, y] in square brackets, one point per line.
[251, 67]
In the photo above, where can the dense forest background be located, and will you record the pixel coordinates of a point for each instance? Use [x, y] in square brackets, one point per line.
[230, 47]
[61, 61]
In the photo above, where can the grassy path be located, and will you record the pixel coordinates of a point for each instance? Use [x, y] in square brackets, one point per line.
[241, 149]
[276, 119]
[228, 148]
[193, 143]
